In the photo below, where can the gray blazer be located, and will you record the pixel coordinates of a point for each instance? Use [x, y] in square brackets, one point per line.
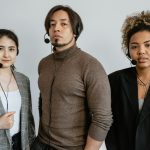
[27, 121]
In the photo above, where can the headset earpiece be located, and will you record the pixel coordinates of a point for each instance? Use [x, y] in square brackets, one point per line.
[46, 39]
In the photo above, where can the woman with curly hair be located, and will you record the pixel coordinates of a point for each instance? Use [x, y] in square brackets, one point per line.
[130, 89]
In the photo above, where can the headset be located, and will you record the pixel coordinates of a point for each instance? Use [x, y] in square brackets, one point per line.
[46, 39]
[78, 30]
[133, 62]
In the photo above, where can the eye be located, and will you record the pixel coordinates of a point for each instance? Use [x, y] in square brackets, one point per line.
[1, 48]
[147, 45]
[12, 49]
[133, 47]
[64, 24]
[52, 24]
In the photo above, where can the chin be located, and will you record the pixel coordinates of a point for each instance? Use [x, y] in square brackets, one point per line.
[143, 66]
[6, 65]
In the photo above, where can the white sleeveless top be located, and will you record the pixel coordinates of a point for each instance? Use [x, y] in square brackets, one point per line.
[141, 101]
[14, 104]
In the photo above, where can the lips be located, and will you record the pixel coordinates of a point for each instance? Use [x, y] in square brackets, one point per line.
[5, 61]
[57, 36]
[142, 60]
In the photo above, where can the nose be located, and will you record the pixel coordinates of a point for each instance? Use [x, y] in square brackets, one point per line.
[141, 50]
[5, 54]
[57, 27]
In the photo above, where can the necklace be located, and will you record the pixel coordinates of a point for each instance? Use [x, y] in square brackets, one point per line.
[7, 90]
[140, 82]
[144, 85]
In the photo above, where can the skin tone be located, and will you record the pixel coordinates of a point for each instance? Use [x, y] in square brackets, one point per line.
[139, 49]
[62, 38]
[92, 144]
[8, 52]
[60, 31]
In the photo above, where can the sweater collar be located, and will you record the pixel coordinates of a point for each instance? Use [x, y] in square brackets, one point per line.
[65, 53]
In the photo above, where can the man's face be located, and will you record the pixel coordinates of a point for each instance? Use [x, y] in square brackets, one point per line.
[60, 31]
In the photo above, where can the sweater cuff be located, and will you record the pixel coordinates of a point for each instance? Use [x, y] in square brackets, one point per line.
[97, 133]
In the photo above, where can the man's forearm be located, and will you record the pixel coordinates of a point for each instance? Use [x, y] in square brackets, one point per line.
[92, 144]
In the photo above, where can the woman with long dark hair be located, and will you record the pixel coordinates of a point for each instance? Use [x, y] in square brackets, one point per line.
[16, 119]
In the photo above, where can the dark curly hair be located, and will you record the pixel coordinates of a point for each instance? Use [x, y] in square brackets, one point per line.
[134, 23]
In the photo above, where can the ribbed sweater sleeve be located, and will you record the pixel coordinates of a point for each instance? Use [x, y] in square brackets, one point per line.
[99, 99]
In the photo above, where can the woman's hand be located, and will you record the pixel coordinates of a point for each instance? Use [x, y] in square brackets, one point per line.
[7, 120]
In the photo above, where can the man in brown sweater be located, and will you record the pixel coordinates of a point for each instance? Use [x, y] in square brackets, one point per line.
[75, 103]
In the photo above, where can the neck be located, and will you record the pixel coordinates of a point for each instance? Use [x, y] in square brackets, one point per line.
[144, 74]
[5, 72]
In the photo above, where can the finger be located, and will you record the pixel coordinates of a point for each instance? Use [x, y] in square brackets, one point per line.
[9, 114]
[11, 122]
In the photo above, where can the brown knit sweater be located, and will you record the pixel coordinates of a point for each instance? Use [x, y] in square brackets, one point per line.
[75, 99]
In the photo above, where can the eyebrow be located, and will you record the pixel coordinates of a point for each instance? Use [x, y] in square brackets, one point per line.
[147, 41]
[9, 46]
[137, 43]
[60, 19]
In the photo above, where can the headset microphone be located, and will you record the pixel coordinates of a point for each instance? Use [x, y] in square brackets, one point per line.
[1, 65]
[134, 62]
[46, 40]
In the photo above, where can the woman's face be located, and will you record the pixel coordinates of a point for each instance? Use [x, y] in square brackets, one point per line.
[139, 49]
[8, 51]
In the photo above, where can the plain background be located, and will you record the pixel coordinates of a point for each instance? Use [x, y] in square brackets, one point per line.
[101, 37]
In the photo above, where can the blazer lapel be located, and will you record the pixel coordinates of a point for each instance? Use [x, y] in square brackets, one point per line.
[130, 88]
[18, 79]
[20, 83]
[2, 111]
[146, 107]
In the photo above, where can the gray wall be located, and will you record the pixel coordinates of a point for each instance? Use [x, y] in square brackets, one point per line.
[101, 36]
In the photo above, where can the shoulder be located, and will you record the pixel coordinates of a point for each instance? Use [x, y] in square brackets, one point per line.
[45, 62]
[88, 59]
[86, 56]
[122, 74]
[45, 59]
[91, 68]
[19, 75]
